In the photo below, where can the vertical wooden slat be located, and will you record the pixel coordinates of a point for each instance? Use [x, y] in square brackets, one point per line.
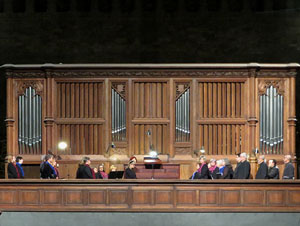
[77, 101]
[242, 100]
[224, 140]
[154, 136]
[82, 140]
[210, 139]
[224, 105]
[219, 99]
[86, 139]
[233, 106]
[210, 99]
[200, 98]
[77, 151]
[101, 148]
[200, 140]
[215, 139]
[91, 141]
[205, 105]
[142, 100]
[165, 139]
[68, 105]
[82, 100]
[101, 100]
[136, 100]
[159, 102]
[91, 102]
[242, 138]
[96, 101]
[159, 138]
[233, 141]
[238, 100]
[165, 99]
[147, 139]
[219, 151]
[86, 100]
[228, 100]
[147, 99]
[142, 139]
[136, 139]
[205, 131]
[154, 97]
[72, 100]
[58, 110]
[238, 147]
[95, 133]
[63, 100]
[214, 99]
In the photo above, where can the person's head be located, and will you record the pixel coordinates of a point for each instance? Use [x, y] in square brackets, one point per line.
[238, 157]
[49, 158]
[287, 159]
[243, 157]
[101, 167]
[133, 158]
[226, 162]
[10, 159]
[19, 159]
[212, 162]
[85, 161]
[113, 168]
[261, 159]
[131, 164]
[219, 163]
[202, 159]
[272, 163]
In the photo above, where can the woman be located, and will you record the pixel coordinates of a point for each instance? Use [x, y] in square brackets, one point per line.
[129, 172]
[12, 169]
[213, 169]
[227, 172]
[101, 173]
[54, 164]
[202, 172]
[84, 170]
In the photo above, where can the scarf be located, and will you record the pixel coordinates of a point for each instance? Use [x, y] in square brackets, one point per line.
[53, 170]
[211, 169]
[93, 172]
[22, 171]
[200, 168]
[18, 174]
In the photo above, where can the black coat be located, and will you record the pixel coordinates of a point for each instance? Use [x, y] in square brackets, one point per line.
[129, 174]
[242, 171]
[204, 174]
[47, 172]
[273, 173]
[288, 172]
[214, 175]
[262, 172]
[227, 172]
[84, 172]
[12, 171]
[20, 171]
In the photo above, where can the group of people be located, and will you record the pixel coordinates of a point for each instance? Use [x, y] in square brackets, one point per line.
[215, 169]
[222, 169]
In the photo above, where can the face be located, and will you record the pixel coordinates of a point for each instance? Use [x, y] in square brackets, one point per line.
[286, 159]
[238, 159]
[260, 160]
[101, 168]
[132, 165]
[21, 161]
[88, 162]
[13, 159]
[271, 163]
[202, 160]
[213, 163]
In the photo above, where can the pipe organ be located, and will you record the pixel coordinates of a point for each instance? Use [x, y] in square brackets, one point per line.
[174, 109]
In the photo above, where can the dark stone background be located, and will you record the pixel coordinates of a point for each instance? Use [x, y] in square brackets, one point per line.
[146, 31]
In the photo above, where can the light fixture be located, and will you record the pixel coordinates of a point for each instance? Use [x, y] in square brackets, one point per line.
[153, 154]
[202, 150]
[62, 145]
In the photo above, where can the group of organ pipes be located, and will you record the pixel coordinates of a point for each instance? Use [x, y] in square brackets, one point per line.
[221, 108]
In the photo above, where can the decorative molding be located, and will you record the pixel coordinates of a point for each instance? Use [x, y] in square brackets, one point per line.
[263, 85]
[25, 74]
[183, 151]
[280, 74]
[38, 86]
[118, 151]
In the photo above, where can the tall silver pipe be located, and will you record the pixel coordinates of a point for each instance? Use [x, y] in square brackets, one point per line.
[275, 122]
[188, 116]
[281, 123]
[33, 121]
[20, 125]
[261, 104]
[176, 120]
[271, 119]
[268, 121]
[112, 113]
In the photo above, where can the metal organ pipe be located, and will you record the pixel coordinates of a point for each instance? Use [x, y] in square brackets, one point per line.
[182, 117]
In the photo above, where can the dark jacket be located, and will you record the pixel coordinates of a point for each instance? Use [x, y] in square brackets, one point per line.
[203, 174]
[288, 172]
[99, 175]
[242, 171]
[47, 172]
[262, 172]
[84, 172]
[227, 173]
[214, 175]
[12, 171]
[273, 173]
[20, 171]
[129, 174]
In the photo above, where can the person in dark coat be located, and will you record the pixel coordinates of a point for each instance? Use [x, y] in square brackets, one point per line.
[227, 172]
[288, 172]
[243, 168]
[273, 172]
[84, 170]
[48, 170]
[129, 172]
[238, 162]
[213, 169]
[262, 172]
[12, 169]
[202, 172]
[19, 162]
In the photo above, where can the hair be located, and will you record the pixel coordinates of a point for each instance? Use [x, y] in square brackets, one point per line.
[274, 161]
[18, 158]
[243, 155]
[112, 167]
[48, 156]
[289, 157]
[238, 154]
[219, 162]
[101, 165]
[262, 157]
[84, 160]
[202, 157]
[9, 158]
[227, 162]
[212, 160]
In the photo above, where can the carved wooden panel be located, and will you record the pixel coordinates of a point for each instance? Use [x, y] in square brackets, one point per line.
[8, 197]
[294, 198]
[231, 197]
[118, 197]
[73, 197]
[163, 197]
[209, 197]
[275, 198]
[52, 197]
[30, 197]
[141, 197]
[97, 197]
[186, 197]
[253, 197]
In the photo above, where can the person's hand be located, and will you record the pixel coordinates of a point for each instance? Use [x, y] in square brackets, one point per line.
[95, 170]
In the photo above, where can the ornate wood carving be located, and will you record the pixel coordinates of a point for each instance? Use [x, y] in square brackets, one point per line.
[265, 84]
[181, 88]
[118, 151]
[120, 88]
[22, 85]
[182, 151]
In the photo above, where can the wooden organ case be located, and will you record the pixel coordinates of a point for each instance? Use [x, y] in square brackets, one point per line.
[174, 109]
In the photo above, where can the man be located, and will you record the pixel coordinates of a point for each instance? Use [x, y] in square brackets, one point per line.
[47, 169]
[262, 172]
[243, 168]
[238, 162]
[273, 172]
[84, 170]
[288, 172]
[129, 172]
[19, 162]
